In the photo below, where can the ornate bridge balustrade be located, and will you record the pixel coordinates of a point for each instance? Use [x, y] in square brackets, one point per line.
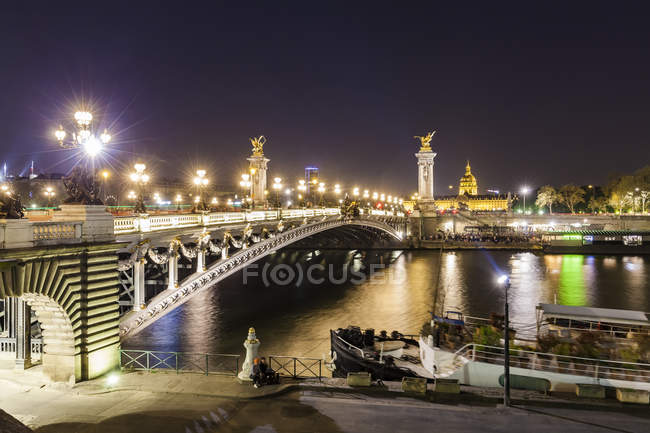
[249, 247]
[152, 223]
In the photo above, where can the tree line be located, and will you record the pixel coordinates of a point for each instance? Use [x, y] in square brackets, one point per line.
[621, 194]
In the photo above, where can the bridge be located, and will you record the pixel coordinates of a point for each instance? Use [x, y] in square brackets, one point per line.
[91, 279]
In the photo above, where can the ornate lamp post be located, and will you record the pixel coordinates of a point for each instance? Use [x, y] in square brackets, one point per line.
[140, 178]
[245, 184]
[302, 187]
[277, 186]
[321, 190]
[524, 191]
[503, 279]
[81, 184]
[201, 183]
[49, 193]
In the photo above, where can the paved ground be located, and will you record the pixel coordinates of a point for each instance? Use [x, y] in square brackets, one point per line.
[193, 403]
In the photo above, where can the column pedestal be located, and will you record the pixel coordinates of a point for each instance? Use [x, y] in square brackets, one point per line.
[173, 272]
[200, 261]
[23, 326]
[138, 284]
[252, 346]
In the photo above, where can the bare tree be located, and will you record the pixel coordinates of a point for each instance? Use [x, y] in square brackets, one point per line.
[546, 196]
[571, 195]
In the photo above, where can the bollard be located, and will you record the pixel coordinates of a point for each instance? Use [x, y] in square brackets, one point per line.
[252, 345]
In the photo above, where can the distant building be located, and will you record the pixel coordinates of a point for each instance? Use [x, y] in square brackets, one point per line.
[311, 178]
[468, 197]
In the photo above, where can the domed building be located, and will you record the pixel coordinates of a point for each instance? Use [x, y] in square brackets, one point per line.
[468, 184]
[469, 198]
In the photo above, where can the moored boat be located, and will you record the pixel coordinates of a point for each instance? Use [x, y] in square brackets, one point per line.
[386, 357]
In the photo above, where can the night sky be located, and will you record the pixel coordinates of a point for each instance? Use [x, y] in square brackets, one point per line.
[531, 94]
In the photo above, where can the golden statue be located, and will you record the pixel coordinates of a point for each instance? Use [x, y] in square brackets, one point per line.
[258, 145]
[425, 142]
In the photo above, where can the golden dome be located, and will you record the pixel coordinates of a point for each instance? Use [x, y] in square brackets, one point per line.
[468, 184]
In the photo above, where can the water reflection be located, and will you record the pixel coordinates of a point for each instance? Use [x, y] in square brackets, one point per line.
[296, 320]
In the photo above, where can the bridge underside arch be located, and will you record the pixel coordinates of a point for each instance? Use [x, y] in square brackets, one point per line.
[361, 232]
[73, 290]
[347, 237]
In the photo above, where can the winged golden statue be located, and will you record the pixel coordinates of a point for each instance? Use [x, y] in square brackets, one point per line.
[258, 145]
[425, 142]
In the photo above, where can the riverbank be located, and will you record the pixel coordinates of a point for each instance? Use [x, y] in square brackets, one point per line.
[165, 402]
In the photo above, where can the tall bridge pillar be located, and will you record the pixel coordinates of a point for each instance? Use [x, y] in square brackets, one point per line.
[258, 167]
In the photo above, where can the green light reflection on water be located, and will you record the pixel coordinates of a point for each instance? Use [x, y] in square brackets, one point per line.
[571, 290]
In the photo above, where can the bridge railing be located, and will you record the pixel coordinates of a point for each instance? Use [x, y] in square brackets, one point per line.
[180, 362]
[297, 367]
[146, 223]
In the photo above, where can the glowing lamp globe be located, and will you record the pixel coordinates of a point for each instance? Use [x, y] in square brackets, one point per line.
[92, 146]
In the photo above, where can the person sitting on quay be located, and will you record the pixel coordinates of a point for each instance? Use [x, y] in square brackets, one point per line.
[269, 375]
[262, 374]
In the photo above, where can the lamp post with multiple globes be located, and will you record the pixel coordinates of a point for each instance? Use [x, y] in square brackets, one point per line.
[82, 183]
[245, 184]
[140, 178]
[277, 186]
[49, 193]
[201, 183]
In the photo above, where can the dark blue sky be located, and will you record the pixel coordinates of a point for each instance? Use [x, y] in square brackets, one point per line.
[545, 93]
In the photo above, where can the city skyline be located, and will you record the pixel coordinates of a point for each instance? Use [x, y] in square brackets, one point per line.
[503, 89]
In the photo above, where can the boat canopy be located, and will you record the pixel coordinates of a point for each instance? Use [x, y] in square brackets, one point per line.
[590, 314]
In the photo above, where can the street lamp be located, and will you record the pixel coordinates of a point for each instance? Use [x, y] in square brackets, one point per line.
[201, 183]
[321, 190]
[503, 279]
[105, 175]
[277, 186]
[83, 138]
[140, 178]
[49, 193]
[245, 184]
[524, 191]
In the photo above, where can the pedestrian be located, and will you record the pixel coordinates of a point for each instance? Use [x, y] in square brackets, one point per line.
[256, 373]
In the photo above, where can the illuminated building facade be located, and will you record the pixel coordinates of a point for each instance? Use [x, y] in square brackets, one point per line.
[468, 197]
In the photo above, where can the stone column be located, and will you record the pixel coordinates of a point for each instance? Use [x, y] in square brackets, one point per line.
[200, 260]
[258, 164]
[22, 314]
[173, 271]
[138, 283]
[252, 346]
[425, 179]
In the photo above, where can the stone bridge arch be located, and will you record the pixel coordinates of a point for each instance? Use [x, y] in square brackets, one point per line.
[73, 291]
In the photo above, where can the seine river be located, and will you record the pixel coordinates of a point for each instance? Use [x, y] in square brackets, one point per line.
[294, 319]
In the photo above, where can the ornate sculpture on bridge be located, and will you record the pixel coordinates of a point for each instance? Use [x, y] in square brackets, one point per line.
[82, 187]
[11, 207]
[425, 142]
[258, 145]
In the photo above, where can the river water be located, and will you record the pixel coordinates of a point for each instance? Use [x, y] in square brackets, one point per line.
[385, 290]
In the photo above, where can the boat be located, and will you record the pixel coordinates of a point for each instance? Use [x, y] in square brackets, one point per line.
[385, 357]
[451, 317]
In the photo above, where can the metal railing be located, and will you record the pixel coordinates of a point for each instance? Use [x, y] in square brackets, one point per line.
[181, 362]
[589, 367]
[297, 367]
